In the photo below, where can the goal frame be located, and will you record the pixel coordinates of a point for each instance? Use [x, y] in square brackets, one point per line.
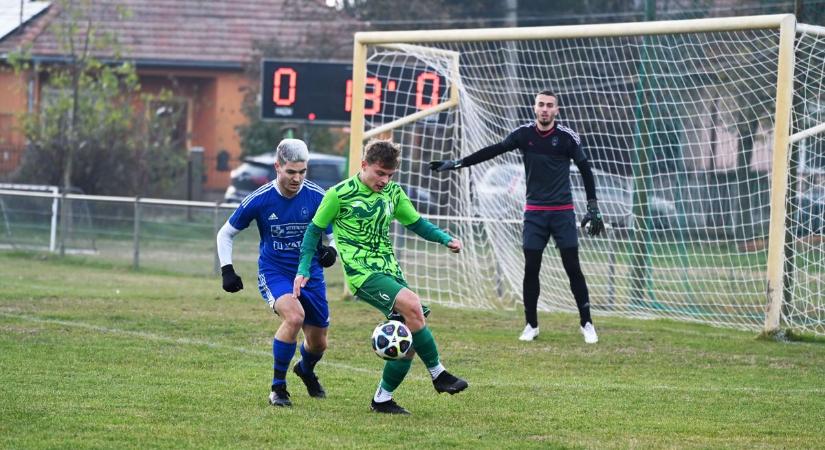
[785, 23]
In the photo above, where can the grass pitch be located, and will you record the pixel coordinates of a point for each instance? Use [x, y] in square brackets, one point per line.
[95, 356]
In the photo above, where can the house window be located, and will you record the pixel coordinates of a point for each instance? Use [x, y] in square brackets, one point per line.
[9, 136]
[51, 97]
[176, 112]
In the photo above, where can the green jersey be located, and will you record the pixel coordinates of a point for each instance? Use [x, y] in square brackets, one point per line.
[361, 219]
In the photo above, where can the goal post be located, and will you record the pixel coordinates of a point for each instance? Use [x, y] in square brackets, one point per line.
[451, 101]
[358, 135]
[695, 128]
[779, 173]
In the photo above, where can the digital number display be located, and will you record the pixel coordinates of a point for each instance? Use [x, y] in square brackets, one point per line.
[322, 91]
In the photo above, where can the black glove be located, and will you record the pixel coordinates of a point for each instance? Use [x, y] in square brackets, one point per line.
[449, 164]
[231, 281]
[327, 255]
[593, 214]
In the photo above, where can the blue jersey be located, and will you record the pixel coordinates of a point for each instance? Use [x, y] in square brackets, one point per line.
[281, 224]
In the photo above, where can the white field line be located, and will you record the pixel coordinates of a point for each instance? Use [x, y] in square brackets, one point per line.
[160, 338]
[656, 387]
[493, 383]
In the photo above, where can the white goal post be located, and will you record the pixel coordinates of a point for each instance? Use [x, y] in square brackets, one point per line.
[707, 140]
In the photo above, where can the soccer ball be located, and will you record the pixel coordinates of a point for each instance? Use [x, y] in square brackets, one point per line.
[391, 340]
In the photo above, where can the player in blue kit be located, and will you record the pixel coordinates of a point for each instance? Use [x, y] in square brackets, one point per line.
[282, 210]
[547, 148]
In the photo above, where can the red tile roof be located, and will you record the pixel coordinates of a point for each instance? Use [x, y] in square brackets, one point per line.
[204, 33]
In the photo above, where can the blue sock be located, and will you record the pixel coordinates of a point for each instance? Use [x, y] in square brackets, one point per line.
[282, 353]
[309, 360]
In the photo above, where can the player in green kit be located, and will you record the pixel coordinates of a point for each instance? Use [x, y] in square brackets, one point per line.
[361, 210]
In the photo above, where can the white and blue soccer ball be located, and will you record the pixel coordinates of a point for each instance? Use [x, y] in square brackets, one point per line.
[391, 340]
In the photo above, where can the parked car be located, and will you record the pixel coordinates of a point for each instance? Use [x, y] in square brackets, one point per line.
[501, 194]
[322, 169]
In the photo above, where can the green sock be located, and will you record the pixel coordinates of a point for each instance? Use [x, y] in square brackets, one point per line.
[424, 344]
[394, 373]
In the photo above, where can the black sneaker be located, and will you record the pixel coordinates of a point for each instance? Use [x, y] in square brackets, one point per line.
[279, 396]
[314, 388]
[388, 407]
[448, 383]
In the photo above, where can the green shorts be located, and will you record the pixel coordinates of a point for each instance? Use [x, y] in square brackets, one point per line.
[380, 290]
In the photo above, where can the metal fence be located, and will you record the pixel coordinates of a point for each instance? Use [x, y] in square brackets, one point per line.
[148, 234]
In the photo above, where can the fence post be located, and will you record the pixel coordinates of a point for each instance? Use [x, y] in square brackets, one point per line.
[64, 223]
[194, 178]
[136, 236]
[215, 227]
[55, 212]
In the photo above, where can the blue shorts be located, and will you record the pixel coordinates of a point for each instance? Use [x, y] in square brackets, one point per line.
[540, 225]
[313, 296]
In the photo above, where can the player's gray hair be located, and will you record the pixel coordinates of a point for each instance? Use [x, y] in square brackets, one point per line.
[291, 150]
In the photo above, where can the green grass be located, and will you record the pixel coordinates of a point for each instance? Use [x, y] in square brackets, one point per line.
[96, 356]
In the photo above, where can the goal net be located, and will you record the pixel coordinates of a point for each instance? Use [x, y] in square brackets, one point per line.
[680, 120]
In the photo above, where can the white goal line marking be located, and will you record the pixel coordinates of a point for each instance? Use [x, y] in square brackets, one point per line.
[553, 385]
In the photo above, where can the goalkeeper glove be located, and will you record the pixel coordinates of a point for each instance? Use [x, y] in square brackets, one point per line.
[595, 217]
[449, 164]
[231, 281]
[327, 255]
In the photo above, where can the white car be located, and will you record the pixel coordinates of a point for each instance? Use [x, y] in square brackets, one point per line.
[501, 194]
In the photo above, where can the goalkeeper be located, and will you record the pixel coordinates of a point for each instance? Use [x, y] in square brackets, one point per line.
[283, 209]
[361, 210]
[547, 148]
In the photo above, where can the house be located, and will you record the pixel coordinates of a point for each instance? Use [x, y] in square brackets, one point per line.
[204, 51]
